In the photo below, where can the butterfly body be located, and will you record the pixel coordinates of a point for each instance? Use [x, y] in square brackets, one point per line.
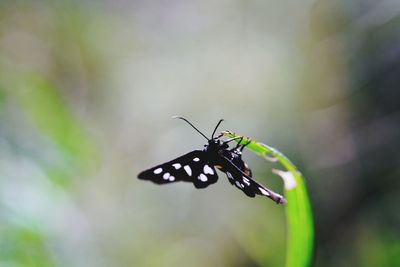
[198, 167]
[235, 155]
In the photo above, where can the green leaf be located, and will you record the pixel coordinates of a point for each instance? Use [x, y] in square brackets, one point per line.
[45, 107]
[300, 226]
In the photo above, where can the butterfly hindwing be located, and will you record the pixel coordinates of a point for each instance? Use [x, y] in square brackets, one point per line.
[249, 186]
[192, 167]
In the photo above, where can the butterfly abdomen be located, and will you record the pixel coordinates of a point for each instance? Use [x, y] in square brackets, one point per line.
[235, 157]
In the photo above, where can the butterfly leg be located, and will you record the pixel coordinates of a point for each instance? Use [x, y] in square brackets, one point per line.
[219, 136]
[243, 146]
[234, 138]
[238, 144]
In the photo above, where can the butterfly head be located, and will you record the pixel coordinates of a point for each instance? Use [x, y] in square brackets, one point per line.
[215, 145]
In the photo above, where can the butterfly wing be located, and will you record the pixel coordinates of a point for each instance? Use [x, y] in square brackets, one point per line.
[249, 186]
[192, 167]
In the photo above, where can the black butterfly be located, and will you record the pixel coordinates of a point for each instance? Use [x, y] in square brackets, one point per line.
[198, 167]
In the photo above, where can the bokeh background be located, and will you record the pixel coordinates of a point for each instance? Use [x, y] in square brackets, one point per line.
[87, 89]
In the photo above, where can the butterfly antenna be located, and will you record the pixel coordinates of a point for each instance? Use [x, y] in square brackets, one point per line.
[182, 118]
[216, 127]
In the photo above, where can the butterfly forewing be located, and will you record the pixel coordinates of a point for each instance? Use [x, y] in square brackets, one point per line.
[192, 167]
[245, 183]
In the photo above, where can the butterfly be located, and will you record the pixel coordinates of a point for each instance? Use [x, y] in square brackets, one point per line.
[199, 167]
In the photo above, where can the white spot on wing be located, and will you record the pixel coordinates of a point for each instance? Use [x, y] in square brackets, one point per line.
[229, 175]
[172, 178]
[188, 170]
[196, 159]
[263, 191]
[238, 184]
[246, 181]
[207, 169]
[157, 171]
[203, 178]
[166, 176]
[177, 166]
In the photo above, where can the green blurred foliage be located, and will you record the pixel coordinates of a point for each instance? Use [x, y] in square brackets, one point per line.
[43, 105]
[86, 90]
[23, 246]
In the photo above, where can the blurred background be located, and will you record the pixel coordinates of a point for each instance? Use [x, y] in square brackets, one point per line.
[87, 89]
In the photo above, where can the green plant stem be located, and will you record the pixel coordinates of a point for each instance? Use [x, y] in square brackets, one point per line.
[300, 226]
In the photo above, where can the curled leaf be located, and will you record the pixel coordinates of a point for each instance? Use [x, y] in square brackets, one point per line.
[300, 226]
